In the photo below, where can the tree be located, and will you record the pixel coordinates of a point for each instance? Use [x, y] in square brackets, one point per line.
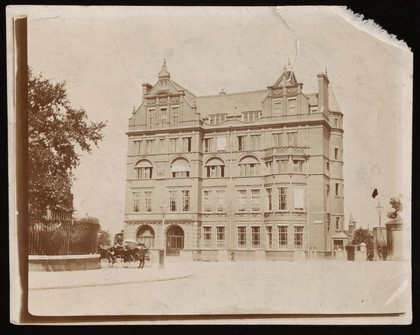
[364, 236]
[55, 131]
[104, 238]
[397, 206]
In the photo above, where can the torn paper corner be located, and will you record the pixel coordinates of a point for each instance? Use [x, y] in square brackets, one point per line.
[369, 26]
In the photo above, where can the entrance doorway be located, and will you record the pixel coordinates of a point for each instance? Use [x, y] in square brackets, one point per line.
[146, 235]
[174, 241]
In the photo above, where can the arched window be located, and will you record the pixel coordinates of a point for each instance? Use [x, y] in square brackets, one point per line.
[146, 235]
[180, 168]
[215, 168]
[143, 170]
[249, 166]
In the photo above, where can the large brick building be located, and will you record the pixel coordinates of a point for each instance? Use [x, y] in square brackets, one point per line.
[258, 173]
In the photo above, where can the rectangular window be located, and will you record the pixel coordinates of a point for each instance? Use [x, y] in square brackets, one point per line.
[299, 198]
[137, 147]
[282, 237]
[185, 200]
[221, 200]
[220, 237]
[292, 106]
[269, 199]
[217, 118]
[255, 200]
[277, 108]
[283, 166]
[241, 143]
[269, 167]
[337, 223]
[297, 165]
[186, 144]
[241, 237]
[242, 200]
[298, 237]
[207, 237]
[173, 145]
[162, 145]
[335, 122]
[174, 117]
[151, 118]
[148, 201]
[172, 201]
[149, 146]
[337, 189]
[163, 118]
[314, 109]
[282, 198]
[269, 237]
[256, 241]
[221, 143]
[207, 144]
[292, 139]
[136, 202]
[277, 140]
[328, 192]
[328, 166]
[255, 141]
[336, 153]
[207, 201]
[250, 116]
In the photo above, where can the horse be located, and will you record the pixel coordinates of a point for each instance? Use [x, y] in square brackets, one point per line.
[107, 254]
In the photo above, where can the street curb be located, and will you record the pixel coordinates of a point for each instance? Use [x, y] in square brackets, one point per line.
[111, 284]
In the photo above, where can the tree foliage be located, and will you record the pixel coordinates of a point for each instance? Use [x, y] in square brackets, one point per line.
[364, 236]
[397, 206]
[104, 238]
[55, 131]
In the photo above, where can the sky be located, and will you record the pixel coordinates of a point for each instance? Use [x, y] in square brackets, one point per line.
[105, 53]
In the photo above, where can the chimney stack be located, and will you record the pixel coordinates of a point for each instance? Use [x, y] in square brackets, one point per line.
[323, 93]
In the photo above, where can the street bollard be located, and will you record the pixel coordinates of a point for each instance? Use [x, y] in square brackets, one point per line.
[161, 258]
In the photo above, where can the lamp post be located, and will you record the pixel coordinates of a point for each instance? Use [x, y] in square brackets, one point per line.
[379, 208]
[162, 239]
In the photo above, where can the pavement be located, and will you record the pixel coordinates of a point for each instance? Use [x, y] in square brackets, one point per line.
[117, 275]
[237, 288]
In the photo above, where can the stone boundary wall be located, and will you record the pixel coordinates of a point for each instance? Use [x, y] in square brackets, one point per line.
[63, 263]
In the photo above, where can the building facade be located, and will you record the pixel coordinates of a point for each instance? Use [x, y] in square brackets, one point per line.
[253, 175]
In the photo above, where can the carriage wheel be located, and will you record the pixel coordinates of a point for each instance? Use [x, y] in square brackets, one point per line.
[125, 263]
[148, 259]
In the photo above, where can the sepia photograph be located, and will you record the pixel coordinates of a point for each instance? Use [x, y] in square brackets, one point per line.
[208, 165]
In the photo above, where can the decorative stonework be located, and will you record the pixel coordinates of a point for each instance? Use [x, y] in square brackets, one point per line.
[174, 99]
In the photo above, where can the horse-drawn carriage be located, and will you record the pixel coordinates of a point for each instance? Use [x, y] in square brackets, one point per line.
[129, 254]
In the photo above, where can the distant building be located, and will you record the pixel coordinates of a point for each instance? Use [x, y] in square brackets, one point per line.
[258, 173]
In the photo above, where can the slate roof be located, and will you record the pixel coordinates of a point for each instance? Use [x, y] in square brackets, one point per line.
[232, 104]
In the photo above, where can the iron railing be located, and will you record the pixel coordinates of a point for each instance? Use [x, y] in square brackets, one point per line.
[62, 235]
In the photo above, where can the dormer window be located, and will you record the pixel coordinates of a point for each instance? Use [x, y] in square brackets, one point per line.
[217, 118]
[250, 116]
[292, 106]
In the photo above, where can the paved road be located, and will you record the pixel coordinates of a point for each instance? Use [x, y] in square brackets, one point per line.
[233, 288]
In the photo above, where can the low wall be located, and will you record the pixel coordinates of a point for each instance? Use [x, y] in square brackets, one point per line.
[63, 263]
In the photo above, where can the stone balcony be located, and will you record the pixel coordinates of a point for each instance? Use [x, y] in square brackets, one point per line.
[287, 150]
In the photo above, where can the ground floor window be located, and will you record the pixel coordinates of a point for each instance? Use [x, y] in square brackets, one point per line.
[283, 237]
[269, 237]
[241, 237]
[220, 237]
[207, 237]
[298, 238]
[255, 237]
